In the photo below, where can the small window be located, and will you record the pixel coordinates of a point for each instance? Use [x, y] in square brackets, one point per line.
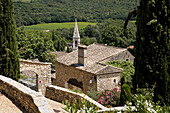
[90, 81]
[114, 81]
[76, 43]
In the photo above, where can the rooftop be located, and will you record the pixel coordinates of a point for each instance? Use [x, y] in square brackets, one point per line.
[95, 54]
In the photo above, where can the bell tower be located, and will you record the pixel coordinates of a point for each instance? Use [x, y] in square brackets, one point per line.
[76, 36]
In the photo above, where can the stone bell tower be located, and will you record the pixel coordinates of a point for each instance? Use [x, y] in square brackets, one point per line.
[76, 36]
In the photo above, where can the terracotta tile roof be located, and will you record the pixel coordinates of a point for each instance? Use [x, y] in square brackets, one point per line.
[95, 53]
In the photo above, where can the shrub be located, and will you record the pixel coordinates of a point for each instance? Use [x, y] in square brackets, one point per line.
[109, 98]
[80, 106]
[125, 94]
[143, 102]
[93, 93]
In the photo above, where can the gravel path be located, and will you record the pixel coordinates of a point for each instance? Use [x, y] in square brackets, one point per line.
[6, 105]
[57, 107]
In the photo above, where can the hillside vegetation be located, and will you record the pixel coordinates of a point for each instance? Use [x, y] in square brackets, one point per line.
[52, 26]
[29, 12]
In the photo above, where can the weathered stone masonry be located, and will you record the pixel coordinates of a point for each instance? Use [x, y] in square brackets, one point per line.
[42, 71]
[87, 67]
[29, 100]
[64, 73]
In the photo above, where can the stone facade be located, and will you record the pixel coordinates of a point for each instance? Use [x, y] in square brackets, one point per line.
[64, 73]
[94, 72]
[29, 100]
[108, 81]
[122, 56]
[42, 71]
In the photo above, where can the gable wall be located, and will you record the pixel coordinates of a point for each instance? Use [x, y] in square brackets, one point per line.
[64, 73]
[108, 81]
[123, 56]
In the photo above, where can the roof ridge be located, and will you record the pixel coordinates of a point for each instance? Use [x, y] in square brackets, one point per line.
[107, 46]
[113, 54]
[101, 68]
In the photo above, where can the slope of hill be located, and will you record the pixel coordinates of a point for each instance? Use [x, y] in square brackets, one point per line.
[52, 26]
[28, 12]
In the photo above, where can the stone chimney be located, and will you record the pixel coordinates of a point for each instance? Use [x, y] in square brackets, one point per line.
[82, 55]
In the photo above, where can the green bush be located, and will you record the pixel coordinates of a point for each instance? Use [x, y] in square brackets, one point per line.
[80, 107]
[143, 101]
[125, 94]
[93, 93]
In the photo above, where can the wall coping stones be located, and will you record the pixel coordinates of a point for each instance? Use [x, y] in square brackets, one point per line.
[78, 94]
[12, 89]
[35, 62]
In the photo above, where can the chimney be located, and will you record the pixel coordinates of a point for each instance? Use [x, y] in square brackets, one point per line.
[82, 55]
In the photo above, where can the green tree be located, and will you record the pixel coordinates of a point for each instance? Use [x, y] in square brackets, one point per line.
[152, 48]
[127, 73]
[9, 62]
[35, 44]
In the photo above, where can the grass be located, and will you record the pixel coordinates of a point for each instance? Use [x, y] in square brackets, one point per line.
[52, 26]
[22, 0]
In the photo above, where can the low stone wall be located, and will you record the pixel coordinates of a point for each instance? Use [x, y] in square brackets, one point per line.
[29, 100]
[60, 94]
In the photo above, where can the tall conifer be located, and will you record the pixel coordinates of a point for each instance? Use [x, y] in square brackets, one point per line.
[152, 48]
[9, 62]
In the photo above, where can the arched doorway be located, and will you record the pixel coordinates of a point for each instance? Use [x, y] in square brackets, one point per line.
[42, 72]
[75, 84]
[29, 79]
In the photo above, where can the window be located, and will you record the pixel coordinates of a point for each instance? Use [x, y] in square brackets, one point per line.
[114, 81]
[76, 43]
[90, 81]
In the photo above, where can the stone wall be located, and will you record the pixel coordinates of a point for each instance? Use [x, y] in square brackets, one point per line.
[29, 100]
[108, 81]
[42, 71]
[123, 56]
[60, 94]
[64, 73]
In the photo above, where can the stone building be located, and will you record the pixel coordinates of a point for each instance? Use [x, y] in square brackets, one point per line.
[85, 67]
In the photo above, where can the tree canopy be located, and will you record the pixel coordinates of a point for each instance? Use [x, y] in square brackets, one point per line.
[152, 48]
[9, 58]
[48, 11]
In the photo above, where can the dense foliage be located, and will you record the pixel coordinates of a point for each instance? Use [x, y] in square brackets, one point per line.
[127, 73]
[143, 102]
[39, 44]
[9, 59]
[28, 12]
[152, 54]
[34, 44]
[125, 94]
[109, 32]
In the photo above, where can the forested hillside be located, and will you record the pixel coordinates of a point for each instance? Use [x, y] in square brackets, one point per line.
[28, 12]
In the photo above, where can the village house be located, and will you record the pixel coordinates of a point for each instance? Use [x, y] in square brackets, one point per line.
[85, 66]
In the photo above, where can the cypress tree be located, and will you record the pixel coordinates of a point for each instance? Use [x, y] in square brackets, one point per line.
[152, 51]
[9, 59]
